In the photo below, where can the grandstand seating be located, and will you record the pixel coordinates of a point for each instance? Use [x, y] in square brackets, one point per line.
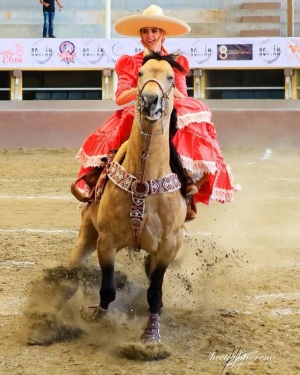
[40, 95]
[245, 94]
[60, 95]
[207, 18]
[229, 94]
[276, 94]
[75, 95]
[261, 94]
[92, 95]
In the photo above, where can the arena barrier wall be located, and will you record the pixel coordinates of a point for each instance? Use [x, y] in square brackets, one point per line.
[65, 124]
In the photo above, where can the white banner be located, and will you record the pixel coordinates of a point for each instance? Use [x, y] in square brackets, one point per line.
[101, 53]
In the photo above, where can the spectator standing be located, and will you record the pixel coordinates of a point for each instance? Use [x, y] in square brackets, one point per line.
[49, 13]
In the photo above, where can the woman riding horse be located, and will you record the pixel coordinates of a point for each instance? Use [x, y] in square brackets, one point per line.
[195, 139]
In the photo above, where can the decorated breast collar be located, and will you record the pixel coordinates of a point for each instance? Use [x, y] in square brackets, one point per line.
[140, 190]
[129, 183]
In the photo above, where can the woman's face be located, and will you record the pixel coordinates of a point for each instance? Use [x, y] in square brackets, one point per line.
[152, 38]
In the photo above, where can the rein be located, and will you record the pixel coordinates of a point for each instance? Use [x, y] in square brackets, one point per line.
[138, 187]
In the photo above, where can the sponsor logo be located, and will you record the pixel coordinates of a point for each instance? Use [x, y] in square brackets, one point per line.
[292, 51]
[67, 52]
[41, 52]
[118, 49]
[93, 51]
[235, 52]
[200, 52]
[269, 52]
[12, 56]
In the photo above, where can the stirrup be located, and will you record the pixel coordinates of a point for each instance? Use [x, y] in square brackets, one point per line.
[96, 172]
[81, 197]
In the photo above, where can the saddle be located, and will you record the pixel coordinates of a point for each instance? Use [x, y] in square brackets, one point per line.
[96, 179]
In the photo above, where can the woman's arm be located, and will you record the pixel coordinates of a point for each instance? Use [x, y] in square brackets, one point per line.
[126, 70]
[127, 96]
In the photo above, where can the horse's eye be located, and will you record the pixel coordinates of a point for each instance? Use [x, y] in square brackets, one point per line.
[170, 78]
[140, 74]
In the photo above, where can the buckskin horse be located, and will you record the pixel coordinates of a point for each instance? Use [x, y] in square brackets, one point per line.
[142, 205]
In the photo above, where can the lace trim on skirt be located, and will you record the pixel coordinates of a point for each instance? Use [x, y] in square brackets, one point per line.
[89, 161]
[222, 195]
[198, 167]
[189, 118]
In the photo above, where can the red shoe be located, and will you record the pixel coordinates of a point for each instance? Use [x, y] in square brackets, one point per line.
[190, 214]
[191, 190]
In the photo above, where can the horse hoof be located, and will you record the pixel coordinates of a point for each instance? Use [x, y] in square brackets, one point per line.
[145, 352]
[92, 313]
[151, 337]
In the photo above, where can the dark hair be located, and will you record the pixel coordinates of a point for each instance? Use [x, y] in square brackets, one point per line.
[171, 59]
[175, 160]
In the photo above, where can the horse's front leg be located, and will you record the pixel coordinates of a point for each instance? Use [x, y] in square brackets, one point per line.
[106, 258]
[154, 297]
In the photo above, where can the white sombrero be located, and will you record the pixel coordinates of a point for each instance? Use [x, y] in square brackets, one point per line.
[151, 17]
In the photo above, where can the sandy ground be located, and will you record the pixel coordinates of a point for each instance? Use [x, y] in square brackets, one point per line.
[234, 288]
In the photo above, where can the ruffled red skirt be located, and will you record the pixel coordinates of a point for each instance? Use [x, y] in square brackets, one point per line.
[195, 140]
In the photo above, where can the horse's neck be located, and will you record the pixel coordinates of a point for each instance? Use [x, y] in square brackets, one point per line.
[158, 162]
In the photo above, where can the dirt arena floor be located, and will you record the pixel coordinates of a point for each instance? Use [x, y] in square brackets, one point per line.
[231, 299]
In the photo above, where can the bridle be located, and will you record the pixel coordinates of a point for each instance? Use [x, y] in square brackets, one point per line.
[139, 187]
[164, 99]
[164, 115]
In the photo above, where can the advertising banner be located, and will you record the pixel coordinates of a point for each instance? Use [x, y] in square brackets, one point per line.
[204, 53]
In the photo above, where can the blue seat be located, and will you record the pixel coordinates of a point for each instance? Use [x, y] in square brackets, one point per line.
[277, 94]
[92, 95]
[229, 94]
[40, 95]
[262, 94]
[75, 95]
[245, 94]
[59, 95]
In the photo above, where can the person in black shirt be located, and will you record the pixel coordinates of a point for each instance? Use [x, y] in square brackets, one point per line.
[49, 12]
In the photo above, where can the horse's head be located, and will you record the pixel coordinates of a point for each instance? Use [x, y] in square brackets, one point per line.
[156, 82]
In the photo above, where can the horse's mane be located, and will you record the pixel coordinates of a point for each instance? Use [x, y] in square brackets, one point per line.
[175, 161]
[171, 59]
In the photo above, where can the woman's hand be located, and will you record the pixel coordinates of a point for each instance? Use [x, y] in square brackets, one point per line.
[178, 94]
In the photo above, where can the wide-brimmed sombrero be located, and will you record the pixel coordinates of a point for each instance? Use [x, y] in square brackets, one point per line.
[151, 17]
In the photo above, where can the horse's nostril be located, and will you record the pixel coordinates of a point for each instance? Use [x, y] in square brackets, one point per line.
[150, 100]
[145, 100]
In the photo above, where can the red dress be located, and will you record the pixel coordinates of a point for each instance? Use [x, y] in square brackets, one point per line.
[195, 140]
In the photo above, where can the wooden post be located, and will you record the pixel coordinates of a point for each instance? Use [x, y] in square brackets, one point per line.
[290, 17]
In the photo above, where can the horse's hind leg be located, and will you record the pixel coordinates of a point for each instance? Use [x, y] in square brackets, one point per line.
[86, 242]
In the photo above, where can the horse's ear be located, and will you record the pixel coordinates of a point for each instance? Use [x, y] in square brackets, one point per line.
[176, 53]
